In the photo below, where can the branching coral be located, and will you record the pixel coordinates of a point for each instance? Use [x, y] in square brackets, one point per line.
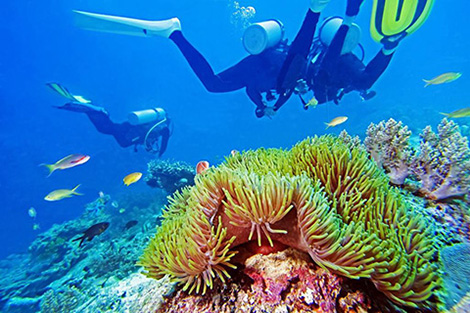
[387, 143]
[441, 164]
[324, 197]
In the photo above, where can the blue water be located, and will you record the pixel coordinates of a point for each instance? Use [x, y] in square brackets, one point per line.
[122, 73]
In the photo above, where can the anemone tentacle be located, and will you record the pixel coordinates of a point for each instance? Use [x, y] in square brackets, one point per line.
[346, 217]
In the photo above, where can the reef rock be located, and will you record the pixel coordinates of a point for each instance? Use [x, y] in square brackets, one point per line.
[285, 281]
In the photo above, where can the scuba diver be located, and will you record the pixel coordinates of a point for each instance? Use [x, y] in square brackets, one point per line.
[274, 70]
[150, 128]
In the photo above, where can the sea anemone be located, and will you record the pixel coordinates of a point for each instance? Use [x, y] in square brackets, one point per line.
[324, 197]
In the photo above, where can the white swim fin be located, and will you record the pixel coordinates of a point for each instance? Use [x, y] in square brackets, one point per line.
[125, 25]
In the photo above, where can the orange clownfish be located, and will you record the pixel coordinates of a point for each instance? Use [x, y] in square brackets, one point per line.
[202, 166]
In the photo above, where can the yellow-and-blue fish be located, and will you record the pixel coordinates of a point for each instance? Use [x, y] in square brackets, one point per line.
[60, 194]
[442, 79]
[465, 112]
[67, 162]
[336, 121]
[312, 103]
[132, 178]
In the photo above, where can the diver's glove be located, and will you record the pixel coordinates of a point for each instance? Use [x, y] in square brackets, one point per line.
[318, 5]
[259, 112]
[352, 8]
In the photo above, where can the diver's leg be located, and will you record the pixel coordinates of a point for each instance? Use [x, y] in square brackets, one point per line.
[102, 122]
[203, 70]
[122, 132]
[297, 54]
[336, 46]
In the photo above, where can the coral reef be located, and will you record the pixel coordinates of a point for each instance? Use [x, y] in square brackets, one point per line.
[387, 143]
[97, 206]
[462, 307]
[285, 281]
[441, 164]
[456, 260]
[58, 276]
[170, 176]
[454, 219]
[324, 197]
[135, 293]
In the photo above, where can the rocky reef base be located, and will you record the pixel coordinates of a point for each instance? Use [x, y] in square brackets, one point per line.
[282, 282]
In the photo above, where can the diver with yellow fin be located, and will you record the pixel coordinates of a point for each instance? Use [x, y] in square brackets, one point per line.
[325, 64]
[150, 128]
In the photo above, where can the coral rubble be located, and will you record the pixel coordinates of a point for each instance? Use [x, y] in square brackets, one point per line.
[324, 197]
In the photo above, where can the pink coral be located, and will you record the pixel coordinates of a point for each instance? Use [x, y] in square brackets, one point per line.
[443, 164]
[387, 143]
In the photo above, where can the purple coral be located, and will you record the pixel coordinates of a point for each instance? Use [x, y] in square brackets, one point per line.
[387, 143]
[443, 164]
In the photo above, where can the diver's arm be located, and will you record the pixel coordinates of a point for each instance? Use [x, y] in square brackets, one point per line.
[373, 70]
[298, 52]
[281, 100]
[257, 99]
[165, 133]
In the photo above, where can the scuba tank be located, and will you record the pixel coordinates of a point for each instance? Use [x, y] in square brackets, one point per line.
[330, 27]
[146, 116]
[263, 35]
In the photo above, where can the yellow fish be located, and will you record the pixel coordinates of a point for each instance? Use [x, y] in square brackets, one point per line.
[312, 103]
[336, 121]
[60, 194]
[443, 78]
[132, 178]
[465, 112]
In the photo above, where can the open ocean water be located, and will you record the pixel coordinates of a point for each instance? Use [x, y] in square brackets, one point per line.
[41, 44]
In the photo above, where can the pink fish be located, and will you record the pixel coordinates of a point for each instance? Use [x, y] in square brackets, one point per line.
[202, 166]
[234, 152]
[67, 162]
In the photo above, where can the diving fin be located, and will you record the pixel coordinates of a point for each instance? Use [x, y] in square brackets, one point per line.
[395, 17]
[125, 25]
[61, 90]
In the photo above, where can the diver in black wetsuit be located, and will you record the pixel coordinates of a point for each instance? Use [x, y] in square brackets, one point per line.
[150, 128]
[329, 69]
[278, 70]
[153, 135]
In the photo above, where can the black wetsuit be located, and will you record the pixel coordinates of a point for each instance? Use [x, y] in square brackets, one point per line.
[335, 74]
[278, 69]
[126, 134]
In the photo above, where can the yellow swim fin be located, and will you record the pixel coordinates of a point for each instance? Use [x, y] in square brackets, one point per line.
[61, 90]
[398, 17]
